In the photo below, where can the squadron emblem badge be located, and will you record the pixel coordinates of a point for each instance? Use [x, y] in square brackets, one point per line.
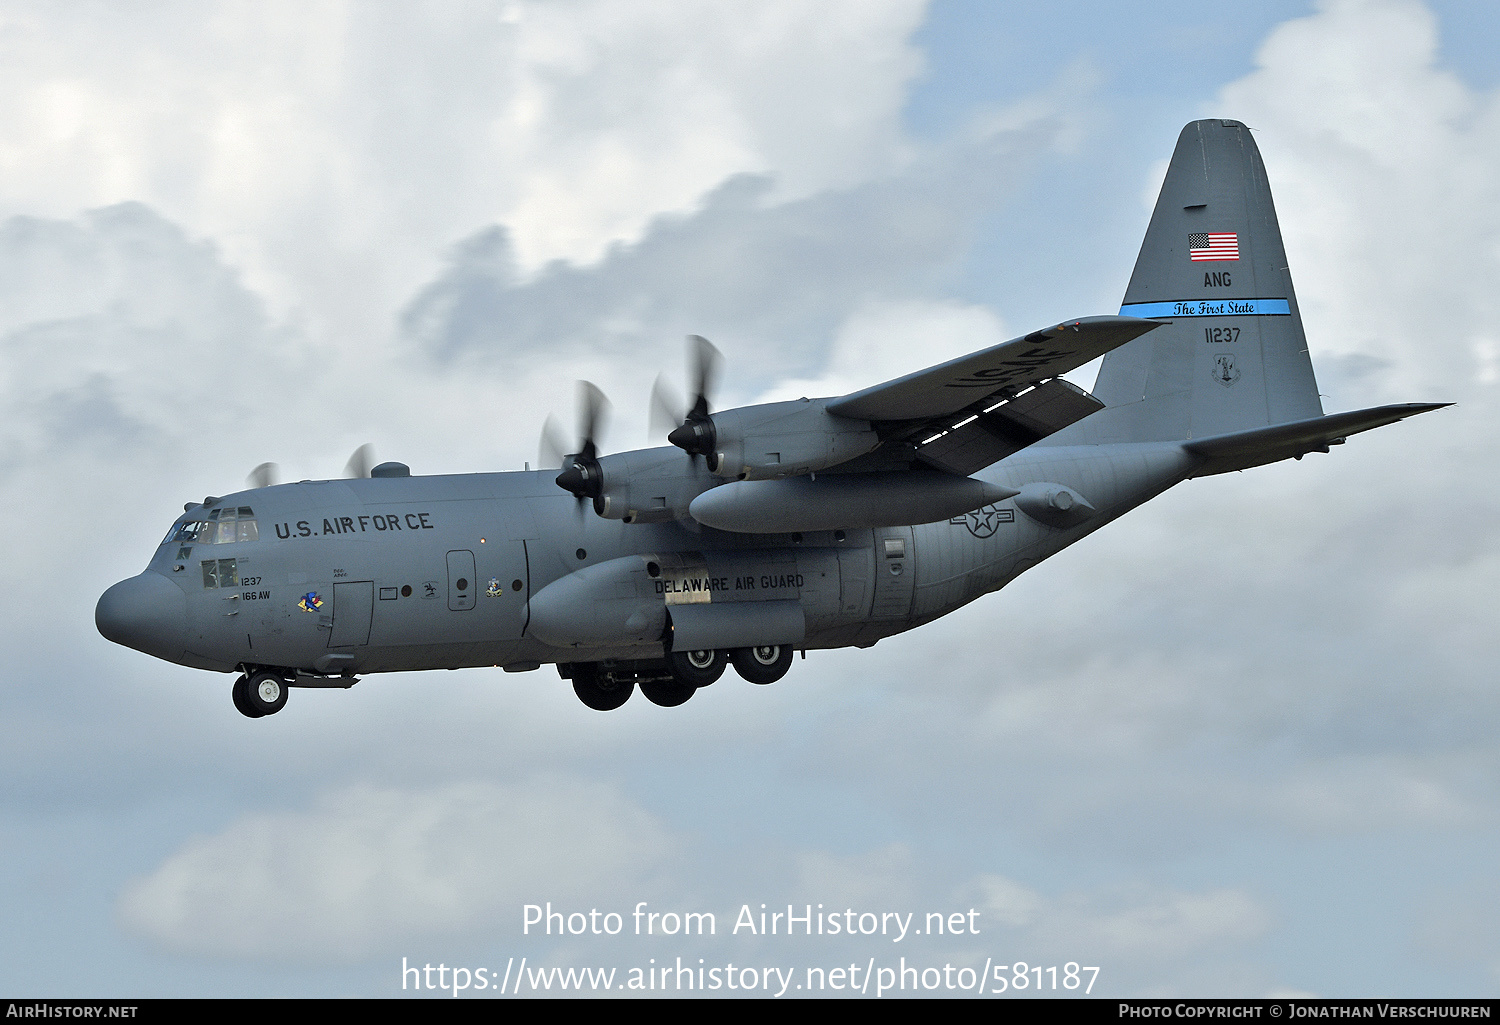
[1225, 372]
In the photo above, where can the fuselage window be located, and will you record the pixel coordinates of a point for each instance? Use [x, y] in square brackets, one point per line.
[220, 573]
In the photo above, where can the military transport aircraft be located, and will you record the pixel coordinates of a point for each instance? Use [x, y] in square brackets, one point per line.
[760, 531]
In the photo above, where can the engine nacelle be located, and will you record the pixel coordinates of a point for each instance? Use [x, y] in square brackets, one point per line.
[786, 439]
[650, 486]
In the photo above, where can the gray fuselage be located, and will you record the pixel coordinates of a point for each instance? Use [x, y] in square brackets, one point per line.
[410, 573]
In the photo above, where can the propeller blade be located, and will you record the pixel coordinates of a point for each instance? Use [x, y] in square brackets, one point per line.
[360, 462]
[593, 408]
[706, 360]
[667, 407]
[696, 434]
[581, 475]
[552, 450]
[264, 475]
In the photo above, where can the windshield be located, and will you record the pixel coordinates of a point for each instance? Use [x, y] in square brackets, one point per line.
[217, 527]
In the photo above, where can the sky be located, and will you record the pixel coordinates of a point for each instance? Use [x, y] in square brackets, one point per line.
[1240, 743]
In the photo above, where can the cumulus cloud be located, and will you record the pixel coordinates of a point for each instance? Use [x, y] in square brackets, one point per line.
[756, 273]
[365, 868]
[112, 324]
[333, 148]
[883, 339]
[1383, 164]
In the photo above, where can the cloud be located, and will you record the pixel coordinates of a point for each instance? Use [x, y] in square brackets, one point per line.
[751, 271]
[883, 339]
[365, 868]
[333, 148]
[111, 324]
[1383, 164]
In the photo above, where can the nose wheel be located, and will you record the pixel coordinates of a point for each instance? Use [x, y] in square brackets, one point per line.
[260, 694]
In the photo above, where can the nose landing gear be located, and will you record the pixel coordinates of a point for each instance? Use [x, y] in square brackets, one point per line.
[259, 694]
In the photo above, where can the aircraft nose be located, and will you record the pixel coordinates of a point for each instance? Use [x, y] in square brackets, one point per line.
[146, 612]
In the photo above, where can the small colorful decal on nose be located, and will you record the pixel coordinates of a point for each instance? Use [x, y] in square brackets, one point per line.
[494, 590]
[310, 602]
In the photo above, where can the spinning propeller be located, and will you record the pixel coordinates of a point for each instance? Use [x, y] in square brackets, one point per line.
[580, 474]
[360, 462]
[264, 475]
[359, 465]
[690, 428]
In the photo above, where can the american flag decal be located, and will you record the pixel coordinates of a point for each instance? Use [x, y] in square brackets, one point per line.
[1213, 245]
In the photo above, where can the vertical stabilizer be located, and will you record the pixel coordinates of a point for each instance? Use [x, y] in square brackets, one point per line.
[1231, 354]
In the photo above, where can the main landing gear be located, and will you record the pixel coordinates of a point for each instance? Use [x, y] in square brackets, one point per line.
[601, 690]
[260, 693]
[765, 664]
[669, 682]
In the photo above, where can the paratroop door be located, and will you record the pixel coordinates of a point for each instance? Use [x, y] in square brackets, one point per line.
[461, 584]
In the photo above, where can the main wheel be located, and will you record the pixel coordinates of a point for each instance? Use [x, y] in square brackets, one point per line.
[696, 668]
[765, 664]
[240, 692]
[668, 693]
[600, 691]
[265, 694]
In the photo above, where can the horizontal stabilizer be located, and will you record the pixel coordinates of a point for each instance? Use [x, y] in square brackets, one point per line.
[1243, 449]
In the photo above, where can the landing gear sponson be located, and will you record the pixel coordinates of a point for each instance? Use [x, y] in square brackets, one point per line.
[669, 682]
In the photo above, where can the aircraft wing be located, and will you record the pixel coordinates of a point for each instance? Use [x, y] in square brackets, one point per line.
[970, 412]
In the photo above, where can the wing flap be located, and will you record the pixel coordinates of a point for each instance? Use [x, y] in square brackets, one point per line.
[996, 433]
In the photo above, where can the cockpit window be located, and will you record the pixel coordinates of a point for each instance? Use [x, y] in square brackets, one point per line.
[219, 527]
